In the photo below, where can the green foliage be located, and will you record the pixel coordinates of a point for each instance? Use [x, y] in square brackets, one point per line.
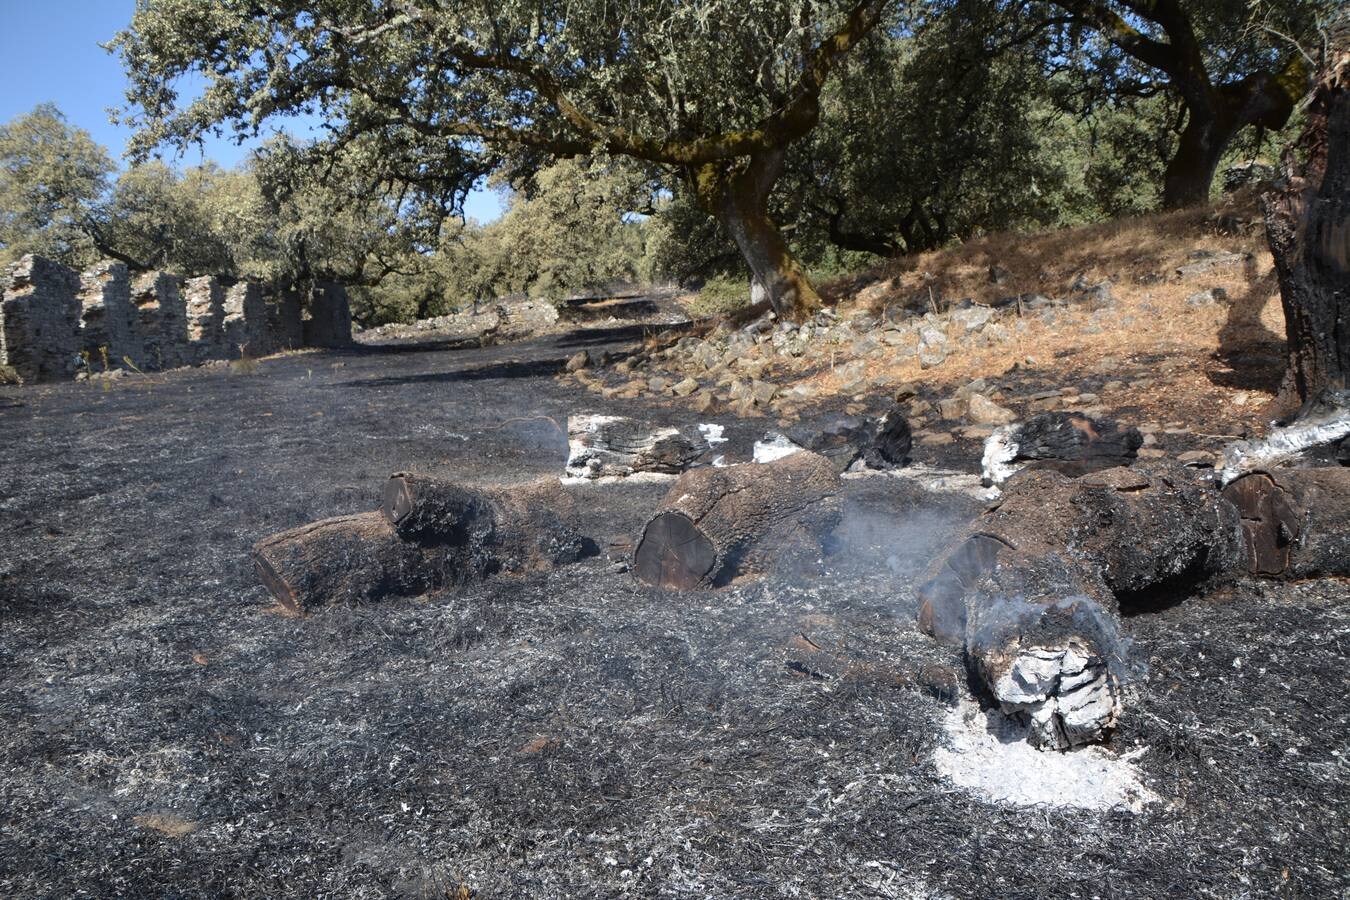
[719, 297]
[51, 176]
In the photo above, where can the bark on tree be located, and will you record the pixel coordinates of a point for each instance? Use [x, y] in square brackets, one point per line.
[717, 523]
[486, 531]
[348, 559]
[1034, 588]
[1295, 522]
[1308, 226]
[739, 199]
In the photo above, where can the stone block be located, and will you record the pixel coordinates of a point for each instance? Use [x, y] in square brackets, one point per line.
[39, 320]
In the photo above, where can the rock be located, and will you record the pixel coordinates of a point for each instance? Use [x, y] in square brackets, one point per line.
[975, 432]
[685, 388]
[931, 337]
[983, 411]
[706, 403]
[1151, 453]
[1207, 297]
[994, 333]
[1197, 459]
[905, 391]
[578, 361]
[934, 438]
[658, 384]
[763, 392]
[931, 356]
[1210, 263]
[1099, 296]
[738, 391]
[953, 408]
[973, 319]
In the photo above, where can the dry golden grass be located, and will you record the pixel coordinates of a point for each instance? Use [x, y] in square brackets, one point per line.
[1195, 360]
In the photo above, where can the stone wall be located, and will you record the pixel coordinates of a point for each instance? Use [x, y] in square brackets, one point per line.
[54, 322]
[39, 320]
[329, 319]
[109, 336]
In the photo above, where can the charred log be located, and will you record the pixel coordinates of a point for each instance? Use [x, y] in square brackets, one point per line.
[348, 559]
[881, 443]
[601, 446]
[1295, 522]
[1037, 582]
[716, 523]
[485, 531]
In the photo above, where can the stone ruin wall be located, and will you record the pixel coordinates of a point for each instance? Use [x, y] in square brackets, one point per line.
[55, 322]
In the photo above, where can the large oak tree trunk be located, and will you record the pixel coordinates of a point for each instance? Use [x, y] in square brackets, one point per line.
[1308, 226]
[716, 523]
[740, 202]
[1190, 172]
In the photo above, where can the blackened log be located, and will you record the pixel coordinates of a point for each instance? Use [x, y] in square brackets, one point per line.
[618, 446]
[1295, 522]
[1034, 587]
[716, 523]
[344, 559]
[487, 530]
[881, 443]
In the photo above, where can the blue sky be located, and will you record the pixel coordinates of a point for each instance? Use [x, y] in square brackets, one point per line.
[49, 51]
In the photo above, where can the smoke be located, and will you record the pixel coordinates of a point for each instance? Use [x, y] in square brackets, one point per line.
[1035, 623]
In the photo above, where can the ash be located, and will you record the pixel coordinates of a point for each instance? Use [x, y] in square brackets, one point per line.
[989, 754]
[164, 732]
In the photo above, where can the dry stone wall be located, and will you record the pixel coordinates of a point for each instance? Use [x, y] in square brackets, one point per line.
[40, 320]
[109, 336]
[55, 322]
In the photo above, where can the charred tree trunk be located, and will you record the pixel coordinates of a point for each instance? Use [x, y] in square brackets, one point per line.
[1034, 589]
[739, 199]
[1308, 226]
[486, 531]
[716, 523]
[1295, 522]
[600, 446]
[343, 560]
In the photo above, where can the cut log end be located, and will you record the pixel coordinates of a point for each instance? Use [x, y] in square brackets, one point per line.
[398, 501]
[674, 554]
[275, 584]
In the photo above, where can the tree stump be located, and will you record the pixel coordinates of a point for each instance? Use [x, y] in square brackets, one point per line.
[716, 523]
[344, 559]
[510, 528]
[1295, 522]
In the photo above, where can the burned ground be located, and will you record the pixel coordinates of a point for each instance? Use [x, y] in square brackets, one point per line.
[165, 732]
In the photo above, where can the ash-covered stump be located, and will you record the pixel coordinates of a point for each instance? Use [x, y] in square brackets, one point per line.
[1295, 522]
[514, 528]
[347, 559]
[717, 523]
[1120, 538]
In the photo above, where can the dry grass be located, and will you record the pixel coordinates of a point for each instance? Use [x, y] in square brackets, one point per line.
[1194, 360]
